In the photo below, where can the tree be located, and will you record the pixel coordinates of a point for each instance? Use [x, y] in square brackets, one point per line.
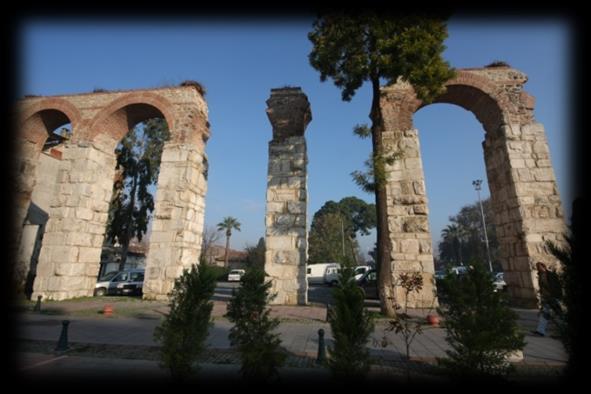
[454, 234]
[465, 232]
[567, 312]
[333, 233]
[228, 224]
[138, 166]
[255, 255]
[351, 325]
[481, 328]
[210, 237]
[370, 47]
[403, 324]
[259, 347]
[327, 241]
[185, 328]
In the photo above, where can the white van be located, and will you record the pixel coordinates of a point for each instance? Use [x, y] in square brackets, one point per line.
[315, 273]
[331, 275]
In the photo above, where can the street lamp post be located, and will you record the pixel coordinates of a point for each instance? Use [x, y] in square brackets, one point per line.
[477, 185]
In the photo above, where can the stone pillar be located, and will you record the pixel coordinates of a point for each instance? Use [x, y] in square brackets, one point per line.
[175, 242]
[286, 238]
[69, 260]
[23, 174]
[408, 222]
[526, 203]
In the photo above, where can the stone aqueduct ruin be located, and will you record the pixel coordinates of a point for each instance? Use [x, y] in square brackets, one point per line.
[524, 194]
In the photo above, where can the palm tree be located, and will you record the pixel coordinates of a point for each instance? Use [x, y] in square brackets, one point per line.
[228, 224]
[453, 233]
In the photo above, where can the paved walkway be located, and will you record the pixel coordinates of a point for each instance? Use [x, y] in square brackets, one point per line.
[298, 330]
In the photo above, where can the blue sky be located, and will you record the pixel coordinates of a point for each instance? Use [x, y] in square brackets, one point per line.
[238, 62]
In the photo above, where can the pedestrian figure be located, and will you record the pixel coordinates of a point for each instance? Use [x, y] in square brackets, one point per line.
[550, 296]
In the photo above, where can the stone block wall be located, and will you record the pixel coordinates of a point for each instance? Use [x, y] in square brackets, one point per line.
[69, 259]
[286, 221]
[175, 243]
[526, 203]
[408, 223]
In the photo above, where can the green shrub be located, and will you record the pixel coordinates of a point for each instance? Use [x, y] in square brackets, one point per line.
[259, 348]
[185, 328]
[220, 273]
[481, 328]
[351, 326]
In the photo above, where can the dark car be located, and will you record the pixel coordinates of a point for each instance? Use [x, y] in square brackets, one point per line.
[369, 283]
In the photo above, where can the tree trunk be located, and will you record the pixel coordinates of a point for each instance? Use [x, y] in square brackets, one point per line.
[353, 251]
[127, 239]
[227, 250]
[384, 268]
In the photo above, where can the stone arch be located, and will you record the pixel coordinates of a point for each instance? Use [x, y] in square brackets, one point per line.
[72, 243]
[524, 195]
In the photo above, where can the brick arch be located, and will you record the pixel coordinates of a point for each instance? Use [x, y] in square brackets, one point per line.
[39, 119]
[479, 96]
[116, 119]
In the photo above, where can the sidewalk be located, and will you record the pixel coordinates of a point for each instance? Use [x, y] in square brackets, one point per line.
[38, 334]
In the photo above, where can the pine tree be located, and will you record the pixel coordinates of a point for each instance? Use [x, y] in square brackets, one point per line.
[138, 166]
[351, 326]
[481, 328]
[567, 310]
[185, 328]
[259, 348]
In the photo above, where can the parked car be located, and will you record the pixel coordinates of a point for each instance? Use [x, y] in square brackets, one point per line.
[499, 282]
[369, 284]
[360, 270]
[128, 282]
[459, 270]
[235, 275]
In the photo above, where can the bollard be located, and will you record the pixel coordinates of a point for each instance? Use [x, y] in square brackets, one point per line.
[327, 311]
[321, 348]
[37, 307]
[62, 343]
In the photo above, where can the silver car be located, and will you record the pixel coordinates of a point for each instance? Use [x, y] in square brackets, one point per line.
[128, 282]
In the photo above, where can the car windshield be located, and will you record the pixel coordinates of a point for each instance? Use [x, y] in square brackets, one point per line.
[108, 276]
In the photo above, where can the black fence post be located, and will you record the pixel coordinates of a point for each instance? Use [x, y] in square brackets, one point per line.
[62, 344]
[321, 359]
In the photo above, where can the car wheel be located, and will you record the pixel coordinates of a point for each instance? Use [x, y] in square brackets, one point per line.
[101, 292]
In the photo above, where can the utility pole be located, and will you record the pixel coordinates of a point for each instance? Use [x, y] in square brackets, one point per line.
[342, 234]
[477, 185]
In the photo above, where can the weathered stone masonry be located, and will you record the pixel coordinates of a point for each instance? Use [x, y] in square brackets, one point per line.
[286, 233]
[525, 198]
[69, 258]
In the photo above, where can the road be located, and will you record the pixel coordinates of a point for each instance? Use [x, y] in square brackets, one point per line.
[317, 294]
